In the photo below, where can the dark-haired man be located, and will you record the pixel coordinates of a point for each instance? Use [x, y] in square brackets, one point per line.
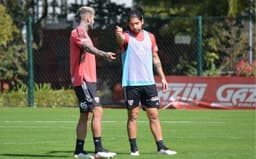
[140, 54]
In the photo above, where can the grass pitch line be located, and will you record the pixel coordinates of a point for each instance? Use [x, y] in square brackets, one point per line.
[112, 121]
[30, 127]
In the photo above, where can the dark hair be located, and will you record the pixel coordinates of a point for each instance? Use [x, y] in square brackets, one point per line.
[137, 12]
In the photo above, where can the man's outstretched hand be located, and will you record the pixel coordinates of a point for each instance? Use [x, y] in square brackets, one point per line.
[110, 56]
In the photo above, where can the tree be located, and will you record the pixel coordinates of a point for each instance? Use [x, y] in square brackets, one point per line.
[12, 50]
[7, 27]
[167, 8]
[224, 39]
[236, 7]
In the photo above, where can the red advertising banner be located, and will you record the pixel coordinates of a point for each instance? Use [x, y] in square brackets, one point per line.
[208, 92]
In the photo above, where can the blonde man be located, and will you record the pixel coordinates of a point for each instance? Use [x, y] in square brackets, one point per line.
[83, 78]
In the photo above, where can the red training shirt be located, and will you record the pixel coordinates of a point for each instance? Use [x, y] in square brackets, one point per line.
[82, 66]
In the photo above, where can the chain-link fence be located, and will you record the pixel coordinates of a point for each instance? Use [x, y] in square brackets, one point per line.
[224, 43]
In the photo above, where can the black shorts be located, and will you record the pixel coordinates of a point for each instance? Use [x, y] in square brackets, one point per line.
[87, 96]
[146, 95]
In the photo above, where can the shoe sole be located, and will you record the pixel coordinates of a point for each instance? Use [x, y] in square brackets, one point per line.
[135, 153]
[90, 157]
[105, 157]
[173, 153]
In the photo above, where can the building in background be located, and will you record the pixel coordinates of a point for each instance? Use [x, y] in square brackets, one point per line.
[60, 13]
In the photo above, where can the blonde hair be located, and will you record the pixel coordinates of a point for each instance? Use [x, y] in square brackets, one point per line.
[86, 11]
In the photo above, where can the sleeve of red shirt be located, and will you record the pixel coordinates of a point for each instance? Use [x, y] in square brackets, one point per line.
[78, 40]
[154, 45]
[124, 46]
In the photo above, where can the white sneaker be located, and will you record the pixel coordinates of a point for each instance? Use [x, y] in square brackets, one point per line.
[136, 153]
[105, 154]
[83, 155]
[167, 151]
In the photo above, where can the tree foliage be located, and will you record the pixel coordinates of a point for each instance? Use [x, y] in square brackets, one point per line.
[167, 8]
[237, 7]
[224, 36]
[12, 50]
[6, 27]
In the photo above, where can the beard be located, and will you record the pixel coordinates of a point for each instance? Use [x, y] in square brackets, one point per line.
[90, 26]
[136, 31]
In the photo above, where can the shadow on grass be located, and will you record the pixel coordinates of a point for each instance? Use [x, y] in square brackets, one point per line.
[56, 154]
[34, 155]
[51, 154]
[91, 152]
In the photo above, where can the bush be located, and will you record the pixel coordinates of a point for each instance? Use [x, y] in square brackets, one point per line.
[55, 98]
[45, 96]
[13, 99]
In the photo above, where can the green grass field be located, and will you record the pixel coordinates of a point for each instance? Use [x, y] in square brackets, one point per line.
[42, 133]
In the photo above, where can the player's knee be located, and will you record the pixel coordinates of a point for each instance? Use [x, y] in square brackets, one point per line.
[153, 117]
[84, 116]
[133, 117]
[97, 111]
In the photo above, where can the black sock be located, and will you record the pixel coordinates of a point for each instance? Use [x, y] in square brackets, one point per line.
[79, 146]
[133, 145]
[97, 144]
[160, 145]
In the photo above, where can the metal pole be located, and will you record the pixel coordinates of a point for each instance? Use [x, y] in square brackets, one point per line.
[199, 45]
[251, 33]
[37, 10]
[30, 63]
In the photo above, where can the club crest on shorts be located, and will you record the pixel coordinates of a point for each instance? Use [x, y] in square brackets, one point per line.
[97, 99]
[130, 102]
